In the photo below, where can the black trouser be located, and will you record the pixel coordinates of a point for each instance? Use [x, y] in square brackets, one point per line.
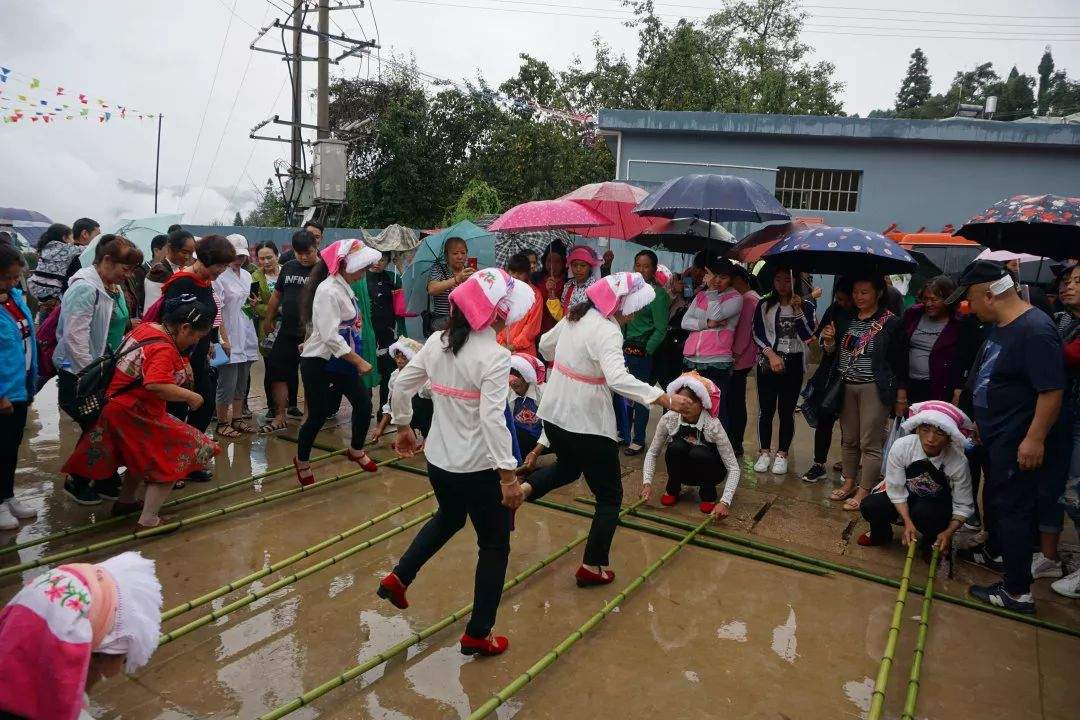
[598, 458]
[423, 409]
[734, 417]
[12, 426]
[931, 515]
[317, 391]
[1010, 499]
[720, 378]
[823, 438]
[478, 496]
[386, 366]
[919, 391]
[267, 389]
[205, 383]
[693, 464]
[526, 441]
[779, 392]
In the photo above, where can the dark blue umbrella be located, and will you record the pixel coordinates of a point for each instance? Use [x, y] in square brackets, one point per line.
[841, 251]
[717, 198]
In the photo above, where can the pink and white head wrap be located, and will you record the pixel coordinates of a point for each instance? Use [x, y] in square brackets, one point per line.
[489, 294]
[349, 256]
[622, 292]
[663, 275]
[530, 368]
[406, 346]
[585, 254]
[705, 389]
[945, 416]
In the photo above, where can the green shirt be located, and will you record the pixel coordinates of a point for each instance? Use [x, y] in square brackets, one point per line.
[649, 325]
[367, 333]
[118, 323]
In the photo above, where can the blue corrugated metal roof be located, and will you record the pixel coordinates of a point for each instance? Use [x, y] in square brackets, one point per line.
[818, 126]
[280, 236]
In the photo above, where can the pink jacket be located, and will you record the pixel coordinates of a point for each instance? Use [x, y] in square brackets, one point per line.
[744, 348]
[707, 344]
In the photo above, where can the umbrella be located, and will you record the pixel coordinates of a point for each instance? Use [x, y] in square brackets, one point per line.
[537, 241]
[841, 251]
[415, 278]
[754, 245]
[548, 215]
[29, 223]
[925, 270]
[139, 231]
[684, 234]
[1047, 225]
[1042, 274]
[717, 198]
[394, 238]
[617, 201]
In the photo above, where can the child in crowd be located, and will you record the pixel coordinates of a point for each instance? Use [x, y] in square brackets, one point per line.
[927, 481]
[526, 380]
[402, 351]
[697, 448]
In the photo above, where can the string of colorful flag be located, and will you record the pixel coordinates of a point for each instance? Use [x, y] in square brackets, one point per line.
[24, 97]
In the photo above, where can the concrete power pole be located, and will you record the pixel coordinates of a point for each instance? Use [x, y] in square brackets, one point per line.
[297, 85]
[323, 118]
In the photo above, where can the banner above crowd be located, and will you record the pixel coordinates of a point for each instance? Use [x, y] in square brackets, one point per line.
[26, 98]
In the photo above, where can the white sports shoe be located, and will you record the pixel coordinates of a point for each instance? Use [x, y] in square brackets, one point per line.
[763, 462]
[1069, 586]
[779, 465]
[1044, 567]
[20, 510]
[7, 520]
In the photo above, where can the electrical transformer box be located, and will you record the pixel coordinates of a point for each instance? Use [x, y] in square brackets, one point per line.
[328, 171]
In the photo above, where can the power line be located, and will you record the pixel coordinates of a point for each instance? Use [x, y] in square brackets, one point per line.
[236, 185]
[209, 97]
[232, 11]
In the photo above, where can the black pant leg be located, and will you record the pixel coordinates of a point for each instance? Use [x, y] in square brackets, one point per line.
[675, 460]
[205, 385]
[823, 439]
[566, 468]
[768, 394]
[317, 392]
[448, 519]
[491, 520]
[734, 419]
[12, 428]
[705, 469]
[878, 510]
[268, 389]
[931, 515]
[352, 388]
[526, 441]
[788, 396]
[386, 366]
[423, 410]
[604, 477]
[1011, 499]
[294, 389]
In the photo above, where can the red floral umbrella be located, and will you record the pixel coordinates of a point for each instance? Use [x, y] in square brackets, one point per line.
[753, 246]
[548, 215]
[616, 200]
[1047, 225]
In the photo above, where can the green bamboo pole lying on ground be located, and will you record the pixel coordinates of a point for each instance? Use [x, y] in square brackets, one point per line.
[877, 700]
[79, 529]
[307, 552]
[169, 527]
[286, 581]
[863, 574]
[723, 547]
[356, 671]
[555, 653]
[920, 641]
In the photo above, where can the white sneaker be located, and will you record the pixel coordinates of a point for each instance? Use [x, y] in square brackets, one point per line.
[20, 510]
[7, 520]
[779, 465]
[1044, 567]
[1069, 586]
[763, 461]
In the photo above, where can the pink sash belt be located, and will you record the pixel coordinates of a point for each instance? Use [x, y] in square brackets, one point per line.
[456, 393]
[588, 379]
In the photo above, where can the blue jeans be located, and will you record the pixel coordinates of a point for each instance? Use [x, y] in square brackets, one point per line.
[636, 419]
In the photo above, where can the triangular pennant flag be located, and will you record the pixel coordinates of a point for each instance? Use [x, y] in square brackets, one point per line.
[69, 117]
[5, 71]
[33, 119]
[43, 102]
[84, 112]
[46, 118]
[101, 119]
[59, 91]
[82, 98]
[34, 82]
[23, 98]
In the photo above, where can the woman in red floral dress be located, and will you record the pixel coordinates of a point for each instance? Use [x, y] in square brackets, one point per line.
[135, 430]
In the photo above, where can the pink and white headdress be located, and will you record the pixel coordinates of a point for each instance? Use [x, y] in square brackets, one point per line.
[624, 292]
[942, 415]
[529, 367]
[353, 253]
[491, 293]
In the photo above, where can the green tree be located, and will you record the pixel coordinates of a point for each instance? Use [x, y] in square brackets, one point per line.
[478, 198]
[915, 88]
[1046, 77]
[270, 212]
[1063, 97]
[1016, 96]
[237, 219]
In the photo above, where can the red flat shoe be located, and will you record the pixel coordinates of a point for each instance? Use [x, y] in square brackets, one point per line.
[867, 541]
[363, 460]
[668, 500]
[707, 507]
[493, 645]
[392, 589]
[303, 474]
[586, 577]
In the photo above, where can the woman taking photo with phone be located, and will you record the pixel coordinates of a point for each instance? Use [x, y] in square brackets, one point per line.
[446, 274]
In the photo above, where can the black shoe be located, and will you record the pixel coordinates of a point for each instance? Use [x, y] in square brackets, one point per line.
[200, 476]
[81, 492]
[631, 451]
[815, 473]
[997, 596]
[979, 556]
[108, 489]
[295, 412]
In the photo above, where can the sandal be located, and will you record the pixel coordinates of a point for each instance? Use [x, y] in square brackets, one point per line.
[228, 431]
[851, 504]
[244, 427]
[303, 472]
[273, 427]
[840, 494]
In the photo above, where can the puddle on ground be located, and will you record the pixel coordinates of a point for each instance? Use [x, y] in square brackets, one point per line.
[340, 584]
[732, 630]
[691, 676]
[783, 638]
[860, 692]
[438, 677]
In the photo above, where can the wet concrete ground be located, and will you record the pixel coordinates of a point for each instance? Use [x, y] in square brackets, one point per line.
[710, 635]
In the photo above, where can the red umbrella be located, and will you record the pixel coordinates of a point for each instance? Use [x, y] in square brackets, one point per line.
[617, 201]
[753, 246]
[547, 215]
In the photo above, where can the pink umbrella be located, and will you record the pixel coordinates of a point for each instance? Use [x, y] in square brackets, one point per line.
[547, 215]
[1006, 256]
[617, 201]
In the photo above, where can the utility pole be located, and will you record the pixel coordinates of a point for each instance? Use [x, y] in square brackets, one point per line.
[157, 163]
[297, 85]
[323, 116]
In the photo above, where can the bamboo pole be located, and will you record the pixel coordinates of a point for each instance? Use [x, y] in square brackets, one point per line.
[920, 642]
[862, 574]
[555, 653]
[733, 549]
[280, 564]
[357, 670]
[79, 529]
[169, 527]
[877, 700]
[286, 581]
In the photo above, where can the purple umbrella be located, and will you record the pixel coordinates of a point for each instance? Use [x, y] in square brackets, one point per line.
[841, 251]
[1046, 225]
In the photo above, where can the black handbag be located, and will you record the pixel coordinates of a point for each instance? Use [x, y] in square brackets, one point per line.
[89, 391]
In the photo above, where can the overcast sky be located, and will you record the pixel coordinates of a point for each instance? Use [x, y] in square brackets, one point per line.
[161, 56]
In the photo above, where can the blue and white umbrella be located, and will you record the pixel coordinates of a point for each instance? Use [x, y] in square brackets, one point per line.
[29, 223]
[841, 251]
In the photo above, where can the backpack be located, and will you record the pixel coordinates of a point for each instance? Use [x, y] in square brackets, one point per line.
[92, 382]
[46, 344]
[153, 313]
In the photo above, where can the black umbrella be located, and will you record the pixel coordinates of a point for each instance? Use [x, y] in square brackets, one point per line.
[1045, 225]
[841, 251]
[685, 235]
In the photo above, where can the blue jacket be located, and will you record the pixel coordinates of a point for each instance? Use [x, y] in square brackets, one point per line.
[17, 381]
